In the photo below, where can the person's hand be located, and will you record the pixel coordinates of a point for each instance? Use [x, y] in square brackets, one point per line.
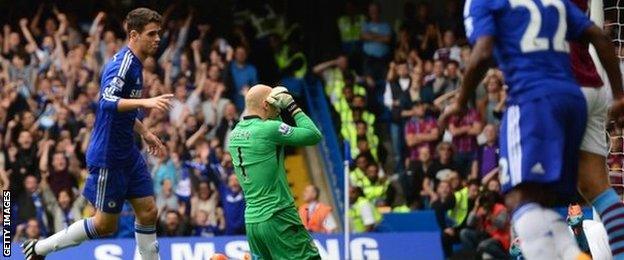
[434, 197]
[281, 99]
[20, 228]
[82, 133]
[392, 65]
[23, 22]
[449, 111]
[215, 142]
[275, 98]
[12, 124]
[162, 102]
[49, 143]
[449, 231]
[6, 29]
[62, 17]
[154, 145]
[196, 45]
[100, 16]
[30, 48]
[227, 160]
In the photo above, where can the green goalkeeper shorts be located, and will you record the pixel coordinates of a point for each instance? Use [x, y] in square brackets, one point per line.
[281, 237]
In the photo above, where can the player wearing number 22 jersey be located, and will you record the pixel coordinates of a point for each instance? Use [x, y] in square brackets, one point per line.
[257, 149]
[546, 111]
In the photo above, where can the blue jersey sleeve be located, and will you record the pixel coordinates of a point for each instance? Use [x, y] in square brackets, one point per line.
[577, 21]
[113, 81]
[111, 93]
[479, 19]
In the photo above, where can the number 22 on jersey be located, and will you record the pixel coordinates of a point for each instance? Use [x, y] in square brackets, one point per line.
[530, 41]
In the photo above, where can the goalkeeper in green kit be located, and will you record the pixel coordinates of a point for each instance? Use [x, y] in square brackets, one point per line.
[274, 229]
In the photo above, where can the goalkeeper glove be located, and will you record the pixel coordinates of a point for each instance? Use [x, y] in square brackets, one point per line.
[280, 98]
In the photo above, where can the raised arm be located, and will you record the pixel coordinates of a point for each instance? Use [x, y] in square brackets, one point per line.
[96, 23]
[609, 61]
[182, 35]
[319, 68]
[196, 47]
[62, 23]
[6, 30]
[26, 32]
[111, 100]
[480, 60]
[190, 142]
[45, 156]
[304, 134]
[35, 21]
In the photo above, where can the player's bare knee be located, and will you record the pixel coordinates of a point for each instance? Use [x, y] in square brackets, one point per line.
[105, 228]
[147, 216]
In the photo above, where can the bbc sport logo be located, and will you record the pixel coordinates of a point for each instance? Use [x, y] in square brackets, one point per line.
[6, 223]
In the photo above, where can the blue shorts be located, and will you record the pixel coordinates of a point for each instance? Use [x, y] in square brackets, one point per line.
[108, 188]
[540, 141]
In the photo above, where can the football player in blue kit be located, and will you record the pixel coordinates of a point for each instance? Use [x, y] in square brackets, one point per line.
[117, 171]
[546, 113]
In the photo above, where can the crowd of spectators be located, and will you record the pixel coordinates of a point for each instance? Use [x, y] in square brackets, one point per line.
[49, 83]
[388, 87]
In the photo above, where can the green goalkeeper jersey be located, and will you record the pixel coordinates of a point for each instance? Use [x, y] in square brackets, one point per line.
[257, 149]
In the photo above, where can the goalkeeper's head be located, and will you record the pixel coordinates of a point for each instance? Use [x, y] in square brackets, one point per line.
[256, 102]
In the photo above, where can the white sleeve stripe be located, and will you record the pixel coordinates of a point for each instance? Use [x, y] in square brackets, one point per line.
[467, 8]
[127, 61]
[125, 69]
[125, 64]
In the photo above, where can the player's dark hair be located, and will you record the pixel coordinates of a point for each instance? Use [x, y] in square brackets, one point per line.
[138, 18]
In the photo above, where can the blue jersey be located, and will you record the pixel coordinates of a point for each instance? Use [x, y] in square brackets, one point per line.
[531, 45]
[112, 141]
